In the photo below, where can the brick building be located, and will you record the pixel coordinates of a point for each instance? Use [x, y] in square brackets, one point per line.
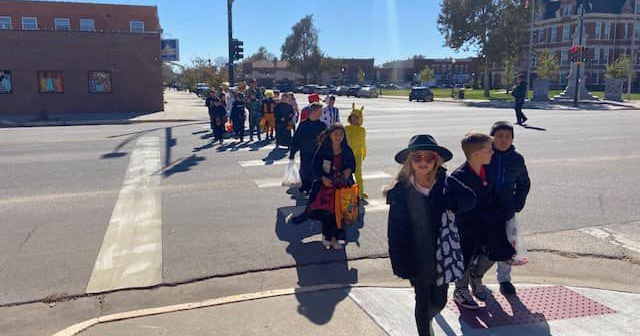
[65, 57]
[447, 71]
[611, 28]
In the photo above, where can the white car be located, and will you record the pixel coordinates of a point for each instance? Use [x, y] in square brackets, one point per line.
[323, 90]
[368, 92]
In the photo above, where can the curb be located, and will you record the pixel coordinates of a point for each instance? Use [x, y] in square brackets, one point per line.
[531, 105]
[84, 325]
[7, 123]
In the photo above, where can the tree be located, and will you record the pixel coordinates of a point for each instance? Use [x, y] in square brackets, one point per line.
[394, 75]
[301, 49]
[547, 65]
[508, 74]
[493, 28]
[621, 68]
[361, 76]
[427, 74]
[261, 55]
[202, 71]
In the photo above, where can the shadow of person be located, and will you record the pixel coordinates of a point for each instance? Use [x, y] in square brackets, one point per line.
[275, 155]
[315, 266]
[208, 145]
[259, 144]
[183, 165]
[532, 127]
[505, 311]
[297, 196]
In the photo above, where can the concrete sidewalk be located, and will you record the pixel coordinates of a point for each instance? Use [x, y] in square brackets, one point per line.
[368, 310]
[180, 106]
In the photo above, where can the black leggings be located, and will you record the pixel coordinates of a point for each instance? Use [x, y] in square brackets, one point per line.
[329, 227]
[430, 300]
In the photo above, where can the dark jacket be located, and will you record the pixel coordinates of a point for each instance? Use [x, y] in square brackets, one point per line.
[325, 153]
[520, 92]
[209, 103]
[305, 139]
[238, 112]
[485, 223]
[284, 113]
[512, 179]
[414, 221]
[219, 112]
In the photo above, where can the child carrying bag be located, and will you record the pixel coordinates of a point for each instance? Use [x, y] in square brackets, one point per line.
[291, 177]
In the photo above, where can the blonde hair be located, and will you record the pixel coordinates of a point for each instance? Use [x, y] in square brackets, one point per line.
[474, 142]
[406, 172]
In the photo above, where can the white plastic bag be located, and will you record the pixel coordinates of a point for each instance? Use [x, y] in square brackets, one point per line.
[291, 177]
[514, 235]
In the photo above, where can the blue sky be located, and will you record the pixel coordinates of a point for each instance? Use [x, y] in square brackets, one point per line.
[383, 29]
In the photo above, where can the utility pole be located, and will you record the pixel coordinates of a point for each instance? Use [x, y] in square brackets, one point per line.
[229, 19]
[575, 95]
[533, 11]
[632, 51]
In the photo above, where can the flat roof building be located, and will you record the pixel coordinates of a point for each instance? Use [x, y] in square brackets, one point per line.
[69, 57]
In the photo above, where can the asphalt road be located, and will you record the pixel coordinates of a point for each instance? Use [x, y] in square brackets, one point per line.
[221, 214]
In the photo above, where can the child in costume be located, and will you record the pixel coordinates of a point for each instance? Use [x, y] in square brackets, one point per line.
[356, 137]
[268, 113]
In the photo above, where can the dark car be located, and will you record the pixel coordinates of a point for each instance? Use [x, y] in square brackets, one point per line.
[353, 90]
[421, 93]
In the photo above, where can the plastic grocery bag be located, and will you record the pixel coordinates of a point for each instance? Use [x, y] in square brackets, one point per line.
[514, 235]
[291, 175]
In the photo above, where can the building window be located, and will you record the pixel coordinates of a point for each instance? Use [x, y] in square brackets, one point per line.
[136, 26]
[566, 11]
[598, 30]
[637, 7]
[87, 25]
[605, 55]
[62, 24]
[637, 31]
[554, 34]
[626, 31]
[99, 82]
[5, 22]
[562, 78]
[50, 81]
[29, 23]
[541, 36]
[6, 85]
[564, 59]
[607, 30]
[565, 33]
[534, 60]
[596, 55]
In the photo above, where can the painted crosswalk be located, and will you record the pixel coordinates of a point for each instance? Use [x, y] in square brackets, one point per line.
[277, 182]
[613, 237]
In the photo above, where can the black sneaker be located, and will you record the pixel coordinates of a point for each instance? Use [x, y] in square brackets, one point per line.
[507, 288]
[463, 298]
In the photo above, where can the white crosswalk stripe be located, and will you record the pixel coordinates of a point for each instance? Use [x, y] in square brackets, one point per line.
[277, 182]
[614, 237]
[260, 163]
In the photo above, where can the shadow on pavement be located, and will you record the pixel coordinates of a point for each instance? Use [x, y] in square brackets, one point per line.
[275, 155]
[533, 128]
[183, 165]
[315, 266]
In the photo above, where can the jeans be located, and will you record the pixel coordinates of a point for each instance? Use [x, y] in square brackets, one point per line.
[254, 124]
[519, 114]
[430, 300]
[474, 272]
[306, 170]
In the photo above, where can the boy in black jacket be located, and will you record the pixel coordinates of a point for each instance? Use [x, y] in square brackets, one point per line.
[482, 230]
[512, 185]
[305, 140]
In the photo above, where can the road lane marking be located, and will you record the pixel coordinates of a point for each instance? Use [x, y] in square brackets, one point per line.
[613, 237]
[262, 162]
[131, 252]
[277, 182]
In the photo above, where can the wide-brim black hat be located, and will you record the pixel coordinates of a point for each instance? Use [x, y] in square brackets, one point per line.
[423, 142]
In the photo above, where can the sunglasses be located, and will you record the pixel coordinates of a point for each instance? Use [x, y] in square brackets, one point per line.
[428, 158]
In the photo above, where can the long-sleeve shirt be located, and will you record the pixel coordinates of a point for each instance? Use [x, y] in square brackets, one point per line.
[330, 115]
[306, 137]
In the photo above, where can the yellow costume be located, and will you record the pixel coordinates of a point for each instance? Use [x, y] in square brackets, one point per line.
[356, 137]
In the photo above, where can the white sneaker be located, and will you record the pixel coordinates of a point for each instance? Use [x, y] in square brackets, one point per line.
[335, 244]
[326, 243]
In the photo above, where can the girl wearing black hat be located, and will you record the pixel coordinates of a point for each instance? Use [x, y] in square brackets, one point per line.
[423, 240]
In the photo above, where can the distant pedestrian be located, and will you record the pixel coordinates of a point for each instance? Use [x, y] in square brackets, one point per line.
[330, 114]
[268, 113]
[520, 94]
[238, 116]
[312, 98]
[210, 106]
[418, 202]
[513, 185]
[305, 141]
[294, 105]
[255, 115]
[357, 138]
[284, 117]
[333, 167]
[219, 115]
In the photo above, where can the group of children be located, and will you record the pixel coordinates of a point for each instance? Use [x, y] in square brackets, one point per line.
[453, 228]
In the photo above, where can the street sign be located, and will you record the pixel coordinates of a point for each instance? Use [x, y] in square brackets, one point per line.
[169, 50]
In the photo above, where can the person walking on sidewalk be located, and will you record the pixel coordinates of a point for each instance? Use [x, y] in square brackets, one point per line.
[333, 167]
[284, 117]
[219, 115]
[418, 200]
[305, 140]
[482, 230]
[268, 113]
[512, 183]
[330, 114]
[255, 115]
[520, 94]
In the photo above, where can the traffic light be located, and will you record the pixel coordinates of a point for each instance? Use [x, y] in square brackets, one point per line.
[585, 55]
[238, 49]
[573, 54]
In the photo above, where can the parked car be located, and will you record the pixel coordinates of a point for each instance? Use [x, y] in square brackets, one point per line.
[341, 90]
[323, 90]
[353, 90]
[368, 92]
[421, 93]
[308, 89]
[284, 87]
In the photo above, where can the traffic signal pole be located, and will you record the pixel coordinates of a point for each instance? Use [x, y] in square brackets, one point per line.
[575, 95]
[229, 19]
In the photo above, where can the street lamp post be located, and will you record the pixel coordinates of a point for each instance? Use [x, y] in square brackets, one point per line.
[575, 95]
[453, 63]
